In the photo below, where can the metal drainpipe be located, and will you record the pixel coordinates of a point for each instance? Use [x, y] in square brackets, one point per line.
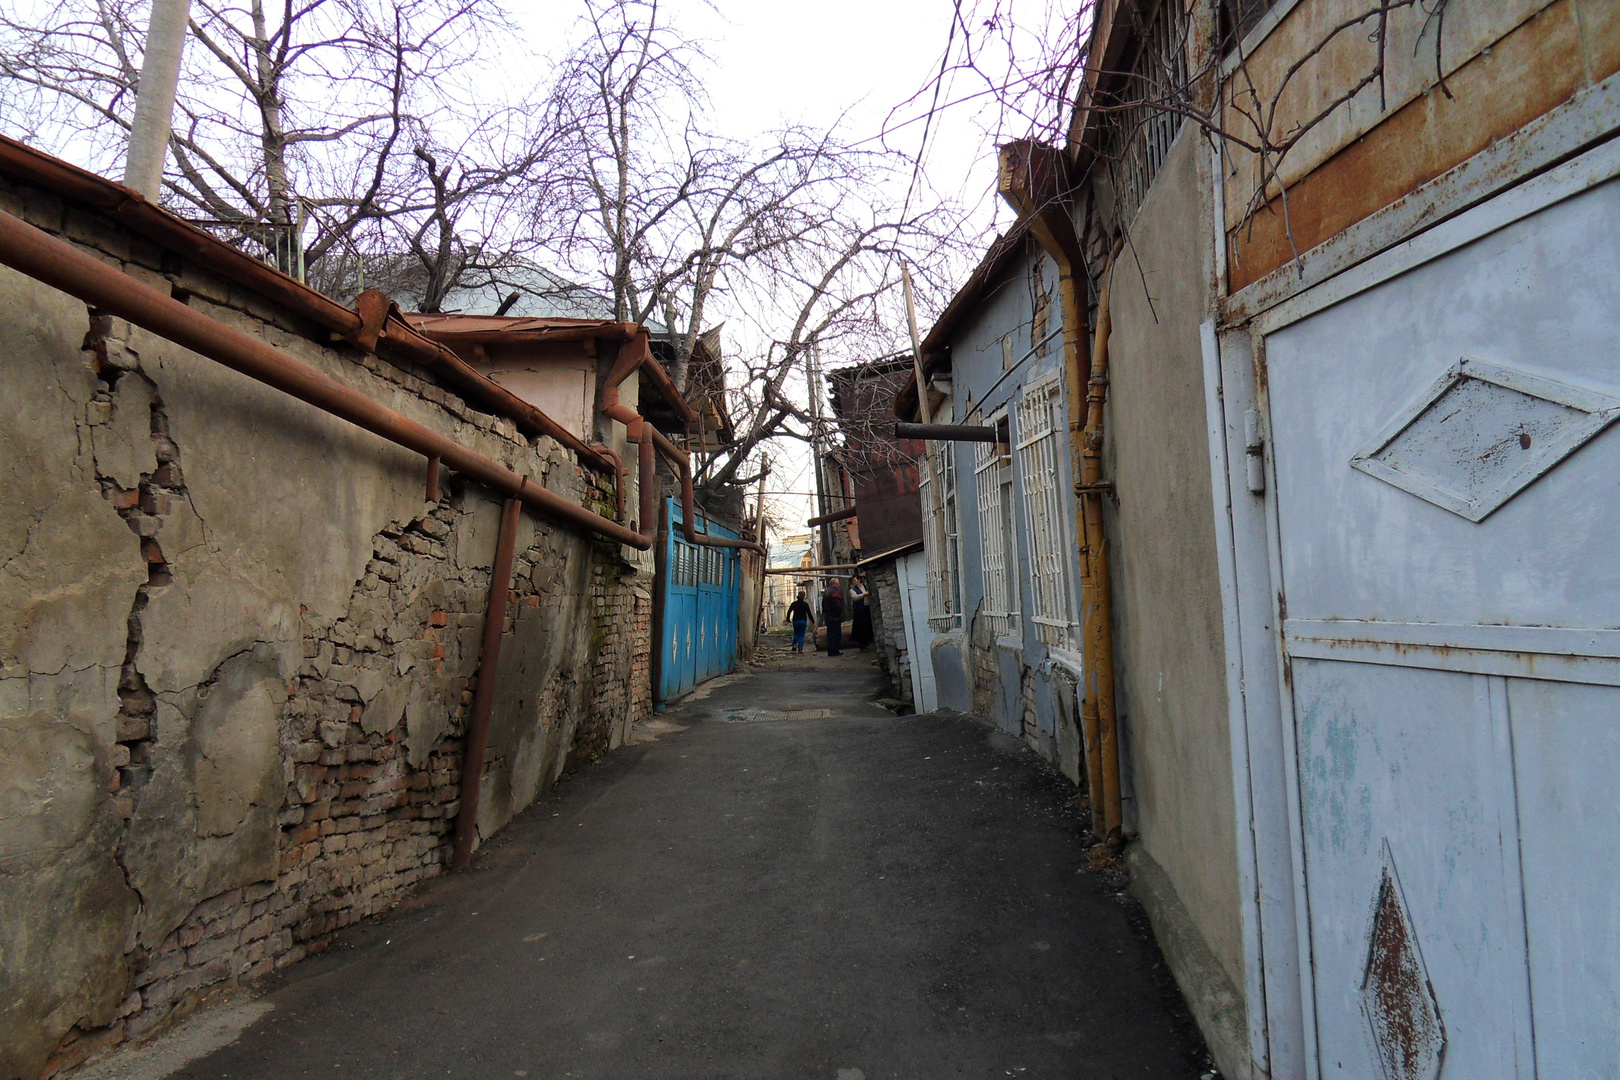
[679, 457]
[655, 664]
[1070, 292]
[64, 267]
[637, 425]
[483, 703]
[1097, 609]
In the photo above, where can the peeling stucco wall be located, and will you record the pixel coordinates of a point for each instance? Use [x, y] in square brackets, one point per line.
[236, 652]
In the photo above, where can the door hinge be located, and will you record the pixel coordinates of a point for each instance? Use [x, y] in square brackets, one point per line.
[1254, 452]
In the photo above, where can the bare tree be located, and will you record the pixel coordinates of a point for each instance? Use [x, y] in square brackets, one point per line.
[674, 216]
[316, 117]
[1025, 63]
[792, 235]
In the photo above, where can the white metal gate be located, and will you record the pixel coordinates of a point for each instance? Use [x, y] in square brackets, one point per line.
[1444, 503]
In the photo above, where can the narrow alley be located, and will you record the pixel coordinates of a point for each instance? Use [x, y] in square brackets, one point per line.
[1180, 437]
[785, 881]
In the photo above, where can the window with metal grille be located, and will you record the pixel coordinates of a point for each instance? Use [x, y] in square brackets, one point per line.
[998, 545]
[942, 538]
[1145, 106]
[1238, 17]
[1041, 422]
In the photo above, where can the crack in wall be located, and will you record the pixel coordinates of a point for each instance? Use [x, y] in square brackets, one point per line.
[356, 816]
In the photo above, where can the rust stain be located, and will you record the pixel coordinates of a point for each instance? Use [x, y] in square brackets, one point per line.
[1527, 74]
[1400, 1005]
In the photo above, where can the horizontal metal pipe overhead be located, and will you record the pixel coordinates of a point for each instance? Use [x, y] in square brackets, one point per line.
[836, 515]
[945, 432]
[64, 267]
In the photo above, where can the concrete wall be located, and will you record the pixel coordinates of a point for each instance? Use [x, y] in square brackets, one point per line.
[236, 652]
[1169, 655]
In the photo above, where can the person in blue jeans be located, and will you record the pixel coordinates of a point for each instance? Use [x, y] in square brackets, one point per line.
[799, 616]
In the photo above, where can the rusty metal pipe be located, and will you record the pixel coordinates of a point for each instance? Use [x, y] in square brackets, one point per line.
[1071, 291]
[638, 427]
[655, 662]
[836, 515]
[682, 461]
[483, 702]
[1097, 608]
[647, 459]
[64, 267]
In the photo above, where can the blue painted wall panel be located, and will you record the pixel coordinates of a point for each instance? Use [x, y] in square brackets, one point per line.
[698, 638]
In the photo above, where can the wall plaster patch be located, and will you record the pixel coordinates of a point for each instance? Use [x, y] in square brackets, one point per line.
[1482, 433]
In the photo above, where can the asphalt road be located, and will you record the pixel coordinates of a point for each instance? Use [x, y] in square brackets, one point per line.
[789, 882]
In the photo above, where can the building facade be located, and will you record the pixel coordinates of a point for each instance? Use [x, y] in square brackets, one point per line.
[1337, 278]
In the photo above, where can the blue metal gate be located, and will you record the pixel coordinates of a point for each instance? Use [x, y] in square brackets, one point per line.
[698, 638]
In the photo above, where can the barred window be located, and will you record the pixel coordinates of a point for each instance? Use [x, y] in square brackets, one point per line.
[1238, 17]
[1041, 422]
[1143, 122]
[942, 545]
[998, 544]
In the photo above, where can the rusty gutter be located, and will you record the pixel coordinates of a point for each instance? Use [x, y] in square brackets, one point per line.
[595, 331]
[64, 267]
[145, 218]
[483, 703]
[132, 209]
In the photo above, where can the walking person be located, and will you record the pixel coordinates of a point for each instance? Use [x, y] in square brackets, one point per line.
[860, 633]
[832, 616]
[799, 616]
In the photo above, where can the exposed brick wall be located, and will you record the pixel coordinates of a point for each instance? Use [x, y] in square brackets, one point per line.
[360, 783]
[888, 626]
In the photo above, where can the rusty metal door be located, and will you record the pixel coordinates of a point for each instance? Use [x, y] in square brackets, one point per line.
[1444, 496]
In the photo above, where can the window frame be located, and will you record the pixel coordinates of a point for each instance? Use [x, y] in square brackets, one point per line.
[942, 532]
[1042, 419]
[999, 563]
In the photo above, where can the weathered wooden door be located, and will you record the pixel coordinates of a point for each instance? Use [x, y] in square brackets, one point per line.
[1444, 493]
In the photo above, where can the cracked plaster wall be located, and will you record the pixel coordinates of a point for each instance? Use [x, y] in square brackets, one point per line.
[236, 649]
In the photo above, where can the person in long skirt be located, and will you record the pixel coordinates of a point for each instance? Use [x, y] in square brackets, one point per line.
[832, 617]
[860, 633]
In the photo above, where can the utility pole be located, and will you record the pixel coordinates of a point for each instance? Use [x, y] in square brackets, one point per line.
[936, 497]
[815, 449]
[759, 536]
[154, 105]
[916, 345]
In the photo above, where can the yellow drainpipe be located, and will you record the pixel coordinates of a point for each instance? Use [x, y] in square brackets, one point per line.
[1097, 713]
[1031, 180]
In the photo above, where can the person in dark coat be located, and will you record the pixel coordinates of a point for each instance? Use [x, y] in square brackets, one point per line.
[799, 615]
[832, 617]
[860, 633]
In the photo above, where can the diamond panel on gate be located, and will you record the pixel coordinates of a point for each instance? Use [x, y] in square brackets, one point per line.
[1482, 433]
